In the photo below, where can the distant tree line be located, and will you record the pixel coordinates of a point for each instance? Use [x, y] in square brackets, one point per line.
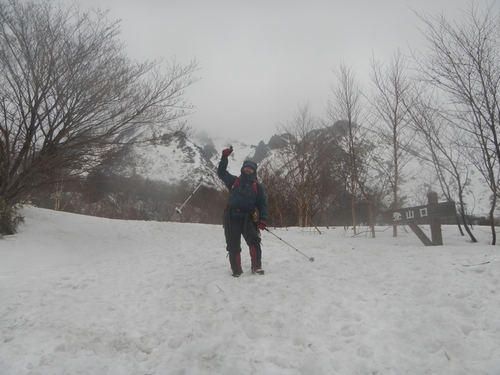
[132, 198]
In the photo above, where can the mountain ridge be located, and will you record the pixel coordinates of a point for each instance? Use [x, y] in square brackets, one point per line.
[185, 159]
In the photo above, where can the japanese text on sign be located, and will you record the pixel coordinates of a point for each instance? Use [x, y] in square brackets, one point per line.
[409, 214]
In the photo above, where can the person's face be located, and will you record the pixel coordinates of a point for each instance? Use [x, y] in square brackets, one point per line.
[248, 170]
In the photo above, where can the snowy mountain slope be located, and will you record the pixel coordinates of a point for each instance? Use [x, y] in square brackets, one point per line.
[86, 295]
[185, 160]
[181, 160]
[241, 151]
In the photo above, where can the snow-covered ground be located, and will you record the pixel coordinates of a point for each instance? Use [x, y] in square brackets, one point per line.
[85, 295]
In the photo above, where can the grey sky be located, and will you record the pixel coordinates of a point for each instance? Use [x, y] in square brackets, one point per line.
[261, 59]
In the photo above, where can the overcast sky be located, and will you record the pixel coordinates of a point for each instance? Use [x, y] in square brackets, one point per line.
[261, 59]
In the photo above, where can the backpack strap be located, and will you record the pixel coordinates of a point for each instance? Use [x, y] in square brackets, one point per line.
[254, 185]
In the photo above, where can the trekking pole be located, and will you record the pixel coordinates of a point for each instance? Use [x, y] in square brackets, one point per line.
[311, 259]
[178, 210]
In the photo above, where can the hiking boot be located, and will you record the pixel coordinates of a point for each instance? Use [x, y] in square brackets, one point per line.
[235, 261]
[258, 271]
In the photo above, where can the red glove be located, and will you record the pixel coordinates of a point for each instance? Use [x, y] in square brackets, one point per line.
[226, 152]
[262, 225]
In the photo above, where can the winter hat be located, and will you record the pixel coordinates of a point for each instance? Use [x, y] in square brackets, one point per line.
[251, 164]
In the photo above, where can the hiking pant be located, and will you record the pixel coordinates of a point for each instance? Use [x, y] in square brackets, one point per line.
[234, 228]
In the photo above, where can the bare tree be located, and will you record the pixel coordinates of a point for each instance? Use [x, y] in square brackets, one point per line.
[303, 175]
[390, 101]
[442, 149]
[278, 193]
[463, 61]
[347, 106]
[294, 160]
[298, 162]
[69, 94]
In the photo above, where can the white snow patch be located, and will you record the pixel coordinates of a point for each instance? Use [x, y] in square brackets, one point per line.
[86, 295]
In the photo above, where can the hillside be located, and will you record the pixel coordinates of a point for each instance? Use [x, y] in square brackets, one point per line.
[86, 295]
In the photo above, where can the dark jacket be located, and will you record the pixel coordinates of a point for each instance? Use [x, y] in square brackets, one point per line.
[243, 199]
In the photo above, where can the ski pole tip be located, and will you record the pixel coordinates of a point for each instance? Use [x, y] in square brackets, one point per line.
[311, 259]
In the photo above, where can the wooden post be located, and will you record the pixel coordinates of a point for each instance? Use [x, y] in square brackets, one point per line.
[437, 235]
[420, 234]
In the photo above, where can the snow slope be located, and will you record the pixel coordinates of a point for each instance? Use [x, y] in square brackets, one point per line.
[241, 152]
[86, 295]
[182, 160]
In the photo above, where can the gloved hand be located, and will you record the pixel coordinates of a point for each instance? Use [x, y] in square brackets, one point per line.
[262, 225]
[227, 151]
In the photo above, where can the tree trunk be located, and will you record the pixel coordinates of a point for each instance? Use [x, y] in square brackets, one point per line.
[492, 220]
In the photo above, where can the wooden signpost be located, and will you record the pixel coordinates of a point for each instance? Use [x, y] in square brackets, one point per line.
[424, 214]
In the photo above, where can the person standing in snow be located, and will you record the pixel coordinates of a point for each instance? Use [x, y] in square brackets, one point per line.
[245, 215]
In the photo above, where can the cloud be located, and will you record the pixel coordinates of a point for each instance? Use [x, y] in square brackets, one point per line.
[260, 59]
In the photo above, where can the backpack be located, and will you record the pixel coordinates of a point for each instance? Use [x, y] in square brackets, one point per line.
[254, 185]
[255, 188]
